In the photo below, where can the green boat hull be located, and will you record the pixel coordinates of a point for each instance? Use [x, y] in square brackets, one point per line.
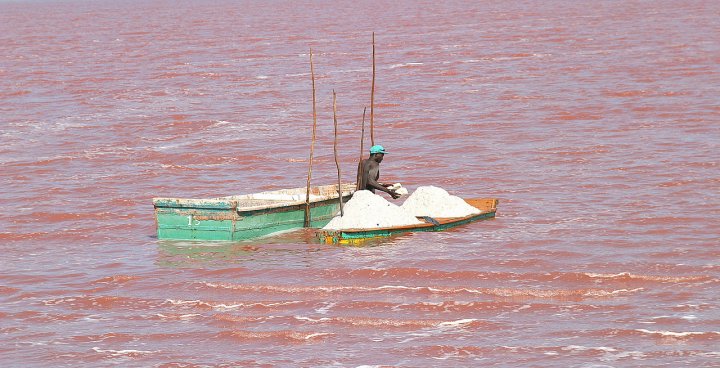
[224, 219]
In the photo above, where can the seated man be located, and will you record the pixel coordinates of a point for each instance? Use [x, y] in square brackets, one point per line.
[369, 173]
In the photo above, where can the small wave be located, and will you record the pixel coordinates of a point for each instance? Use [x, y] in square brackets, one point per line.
[706, 334]
[444, 352]
[404, 65]
[127, 353]
[101, 302]
[191, 303]
[240, 319]
[498, 292]
[326, 289]
[117, 279]
[297, 75]
[613, 292]
[177, 317]
[389, 322]
[272, 335]
[605, 353]
[663, 336]
[460, 322]
[325, 308]
[557, 293]
[225, 307]
[586, 348]
[626, 276]
[113, 337]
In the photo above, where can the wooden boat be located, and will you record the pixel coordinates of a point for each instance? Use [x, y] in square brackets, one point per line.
[487, 206]
[246, 216]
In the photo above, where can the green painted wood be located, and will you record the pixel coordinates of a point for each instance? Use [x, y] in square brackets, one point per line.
[220, 204]
[213, 221]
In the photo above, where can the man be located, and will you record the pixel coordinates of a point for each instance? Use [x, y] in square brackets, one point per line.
[369, 173]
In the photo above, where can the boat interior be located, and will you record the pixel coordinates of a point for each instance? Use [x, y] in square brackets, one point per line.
[284, 197]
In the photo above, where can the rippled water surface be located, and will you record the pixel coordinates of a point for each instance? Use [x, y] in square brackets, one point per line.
[594, 123]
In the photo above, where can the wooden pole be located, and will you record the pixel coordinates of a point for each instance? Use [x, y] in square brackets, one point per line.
[362, 135]
[312, 145]
[372, 95]
[337, 164]
[362, 142]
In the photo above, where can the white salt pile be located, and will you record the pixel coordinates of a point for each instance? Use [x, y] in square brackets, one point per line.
[366, 210]
[436, 202]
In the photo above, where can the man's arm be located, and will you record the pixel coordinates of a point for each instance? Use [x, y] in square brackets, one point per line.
[371, 182]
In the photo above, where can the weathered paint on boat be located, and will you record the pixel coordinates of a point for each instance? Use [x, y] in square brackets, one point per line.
[487, 206]
[246, 216]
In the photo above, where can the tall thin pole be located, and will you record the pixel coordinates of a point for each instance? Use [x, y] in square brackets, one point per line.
[362, 135]
[337, 164]
[312, 145]
[360, 161]
[372, 95]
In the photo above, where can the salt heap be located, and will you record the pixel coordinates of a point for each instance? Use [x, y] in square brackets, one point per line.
[366, 210]
[436, 202]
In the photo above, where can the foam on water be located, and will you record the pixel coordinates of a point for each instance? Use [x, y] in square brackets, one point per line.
[680, 334]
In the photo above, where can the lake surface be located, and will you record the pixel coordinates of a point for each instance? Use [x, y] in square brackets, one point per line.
[594, 123]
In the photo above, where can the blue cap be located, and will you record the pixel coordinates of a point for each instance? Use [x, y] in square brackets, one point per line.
[377, 149]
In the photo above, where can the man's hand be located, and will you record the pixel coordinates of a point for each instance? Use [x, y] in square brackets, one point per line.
[393, 194]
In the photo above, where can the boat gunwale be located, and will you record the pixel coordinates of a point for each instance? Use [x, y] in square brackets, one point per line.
[233, 202]
[289, 206]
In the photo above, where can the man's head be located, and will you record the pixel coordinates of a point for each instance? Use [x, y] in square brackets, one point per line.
[377, 152]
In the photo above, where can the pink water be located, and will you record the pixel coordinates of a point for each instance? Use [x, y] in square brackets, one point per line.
[595, 123]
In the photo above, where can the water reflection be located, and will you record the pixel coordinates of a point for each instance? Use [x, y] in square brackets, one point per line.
[298, 248]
